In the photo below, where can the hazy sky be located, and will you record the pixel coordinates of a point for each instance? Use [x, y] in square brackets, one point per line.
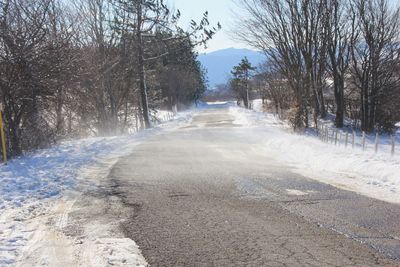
[219, 11]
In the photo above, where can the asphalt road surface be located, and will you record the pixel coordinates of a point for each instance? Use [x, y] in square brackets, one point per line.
[205, 195]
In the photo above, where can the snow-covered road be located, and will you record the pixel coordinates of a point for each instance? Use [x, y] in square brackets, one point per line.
[214, 194]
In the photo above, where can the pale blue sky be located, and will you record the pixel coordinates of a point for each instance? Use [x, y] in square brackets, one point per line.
[219, 11]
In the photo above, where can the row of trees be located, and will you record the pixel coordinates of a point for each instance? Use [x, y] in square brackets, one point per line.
[73, 68]
[317, 48]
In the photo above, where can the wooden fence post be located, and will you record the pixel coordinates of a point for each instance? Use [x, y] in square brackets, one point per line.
[327, 135]
[363, 140]
[319, 131]
[353, 141]
[322, 132]
[376, 142]
[393, 141]
[347, 138]
[336, 137]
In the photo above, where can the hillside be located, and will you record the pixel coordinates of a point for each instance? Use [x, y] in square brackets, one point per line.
[220, 63]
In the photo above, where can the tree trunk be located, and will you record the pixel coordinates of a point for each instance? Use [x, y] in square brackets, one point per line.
[245, 102]
[365, 110]
[59, 114]
[12, 132]
[142, 78]
[339, 98]
[321, 102]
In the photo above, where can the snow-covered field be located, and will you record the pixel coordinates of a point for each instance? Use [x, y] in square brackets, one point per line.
[370, 174]
[37, 184]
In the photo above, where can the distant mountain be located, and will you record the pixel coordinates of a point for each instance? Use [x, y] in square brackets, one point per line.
[220, 63]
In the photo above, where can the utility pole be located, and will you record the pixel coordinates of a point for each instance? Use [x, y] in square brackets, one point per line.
[3, 138]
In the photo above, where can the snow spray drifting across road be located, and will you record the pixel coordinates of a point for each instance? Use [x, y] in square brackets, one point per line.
[38, 193]
[373, 175]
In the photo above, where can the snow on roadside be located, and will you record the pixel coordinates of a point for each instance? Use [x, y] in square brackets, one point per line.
[370, 174]
[29, 185]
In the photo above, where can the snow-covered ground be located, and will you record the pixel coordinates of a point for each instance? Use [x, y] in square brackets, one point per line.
[370, 174]
[37, 188]
[38, 184]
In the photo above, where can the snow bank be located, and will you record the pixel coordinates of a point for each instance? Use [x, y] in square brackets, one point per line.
[370, 174]
[45, 173]
[30, 184]
[257, 105]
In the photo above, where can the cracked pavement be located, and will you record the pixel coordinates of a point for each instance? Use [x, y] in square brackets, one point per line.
[205, 195]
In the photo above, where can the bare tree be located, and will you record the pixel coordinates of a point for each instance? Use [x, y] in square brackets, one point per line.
[109, 74]
[76, 69]
[25, 60]
[275, 89]
[339, 31]
[375, 53]
[292, 35]
[353, 43]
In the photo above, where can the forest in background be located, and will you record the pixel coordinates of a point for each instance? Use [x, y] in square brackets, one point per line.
[93, 67]
[323, 56]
